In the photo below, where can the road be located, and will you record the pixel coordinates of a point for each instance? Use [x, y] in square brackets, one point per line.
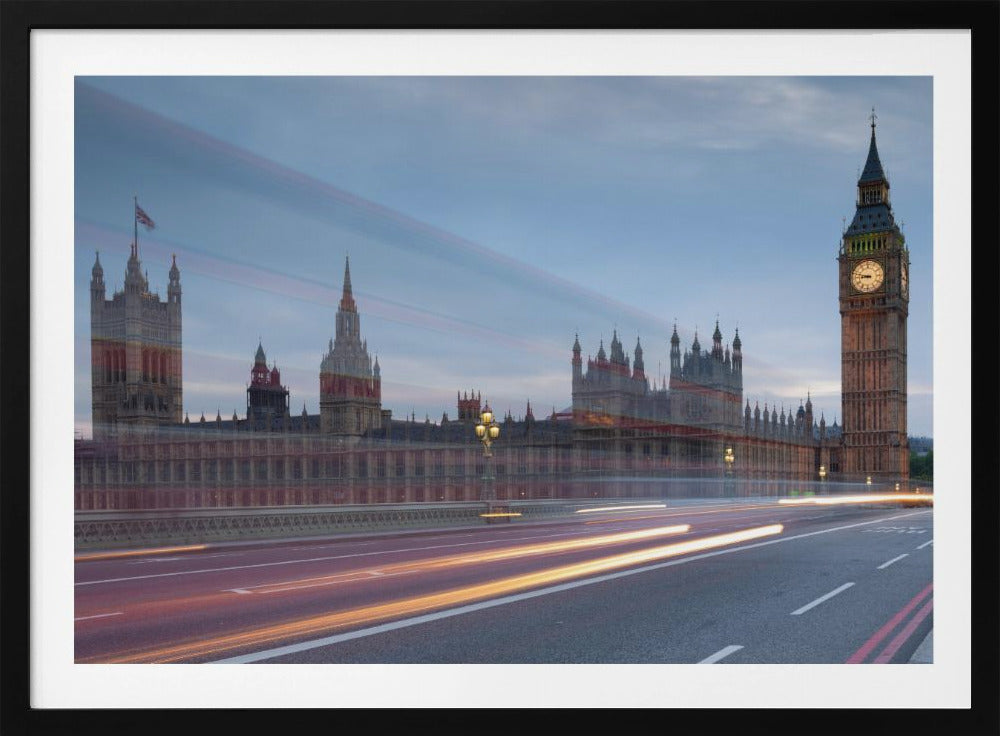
[703, 581]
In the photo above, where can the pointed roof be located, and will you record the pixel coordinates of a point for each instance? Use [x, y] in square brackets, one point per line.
[717, 335]
[260, 358]
[873, 166]
[98, 269]
[576, 343]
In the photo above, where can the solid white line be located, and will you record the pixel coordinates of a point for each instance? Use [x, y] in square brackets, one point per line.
[99, 615]
[929, 541]
[360, 633]
[722, 653]
[819, 600]
[894, 559]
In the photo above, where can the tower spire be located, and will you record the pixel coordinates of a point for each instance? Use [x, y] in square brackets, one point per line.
[347, 298]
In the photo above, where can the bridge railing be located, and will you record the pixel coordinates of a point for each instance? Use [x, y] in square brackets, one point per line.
[124, 529]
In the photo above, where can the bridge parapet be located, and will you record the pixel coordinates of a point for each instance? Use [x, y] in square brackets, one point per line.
[126, 529]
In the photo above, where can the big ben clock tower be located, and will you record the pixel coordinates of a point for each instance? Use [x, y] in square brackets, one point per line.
[874, 304]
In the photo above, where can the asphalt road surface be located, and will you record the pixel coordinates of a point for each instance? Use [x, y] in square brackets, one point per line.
[698, 582]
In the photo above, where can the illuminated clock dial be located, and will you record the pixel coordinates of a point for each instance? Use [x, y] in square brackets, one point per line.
[867, 276]
[904, 281]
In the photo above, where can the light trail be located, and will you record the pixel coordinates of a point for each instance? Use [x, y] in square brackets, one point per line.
[473, 558]
[180, 605]
[138, 552]
[622, 508]
[421, 604]
[867, 498]
[672, 514]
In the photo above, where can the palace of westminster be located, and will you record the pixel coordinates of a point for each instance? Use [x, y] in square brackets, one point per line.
[623, 438]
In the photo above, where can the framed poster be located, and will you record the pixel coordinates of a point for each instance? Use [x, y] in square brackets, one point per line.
[490, 180]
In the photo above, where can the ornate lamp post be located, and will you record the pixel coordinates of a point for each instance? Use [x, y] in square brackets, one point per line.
[729, 459]
[822, 473]
[487, 430]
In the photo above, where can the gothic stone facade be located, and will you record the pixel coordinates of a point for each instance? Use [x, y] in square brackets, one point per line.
[624, 437]
[135, 345]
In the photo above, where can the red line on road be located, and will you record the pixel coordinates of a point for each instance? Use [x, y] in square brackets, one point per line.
[878, 636]
[905, 634]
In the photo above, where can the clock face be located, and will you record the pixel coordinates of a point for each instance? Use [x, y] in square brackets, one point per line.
[904, 281]
[867, 276]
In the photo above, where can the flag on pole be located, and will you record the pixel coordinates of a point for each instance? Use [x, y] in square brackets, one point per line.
[143, 218]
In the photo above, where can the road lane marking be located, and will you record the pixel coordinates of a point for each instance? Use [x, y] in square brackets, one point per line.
[894, 559]
[482, 605]
[99, 615]
[418, 549]
[334, 582]
[889, 626]
[467, 558]
[821, 599]
[721, 654]
[310, 559]
[929, 541]
[344, 577]
[430, 602]
[905, 634]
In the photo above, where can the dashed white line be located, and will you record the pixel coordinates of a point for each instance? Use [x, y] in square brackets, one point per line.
[821, 599]
[894, 559]
[99, 615]
[721, 654]
[929, 541]
[462, 610]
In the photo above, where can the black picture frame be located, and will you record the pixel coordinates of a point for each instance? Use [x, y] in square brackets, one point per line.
[18, 18]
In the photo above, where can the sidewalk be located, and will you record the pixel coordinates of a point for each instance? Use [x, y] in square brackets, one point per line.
[925, 652]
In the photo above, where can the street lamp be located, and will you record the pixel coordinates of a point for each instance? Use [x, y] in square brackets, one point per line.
[729, 459]
[487, 430]
[868, 482]
[822, 473]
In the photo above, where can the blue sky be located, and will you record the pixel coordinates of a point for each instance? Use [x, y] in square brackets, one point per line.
[490, 219]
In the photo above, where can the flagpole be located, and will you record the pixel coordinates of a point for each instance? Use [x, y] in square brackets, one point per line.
[135, 224]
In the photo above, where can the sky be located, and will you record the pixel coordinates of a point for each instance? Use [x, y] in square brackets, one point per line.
[489, 220]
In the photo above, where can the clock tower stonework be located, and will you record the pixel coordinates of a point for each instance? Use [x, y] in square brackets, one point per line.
[874, 304]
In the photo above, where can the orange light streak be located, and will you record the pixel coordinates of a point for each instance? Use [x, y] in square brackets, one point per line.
[867, 498]
[323, 624]
[471, 558]
[138, 552]
[498, 515]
